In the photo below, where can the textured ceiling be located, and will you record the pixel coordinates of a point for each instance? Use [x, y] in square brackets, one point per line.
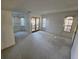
[39, 6]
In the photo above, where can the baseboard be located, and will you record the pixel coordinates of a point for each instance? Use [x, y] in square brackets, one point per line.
[7, 46]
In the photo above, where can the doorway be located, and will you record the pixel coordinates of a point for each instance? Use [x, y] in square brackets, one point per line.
[35, 22]
[19, 28]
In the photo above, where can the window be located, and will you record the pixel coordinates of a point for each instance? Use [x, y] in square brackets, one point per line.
[68, 23]
[22, 21]
[44, 22]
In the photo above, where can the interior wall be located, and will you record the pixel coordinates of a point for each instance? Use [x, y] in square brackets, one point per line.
[28, 22]
[7, 35]
[74, 50]
[55, 23]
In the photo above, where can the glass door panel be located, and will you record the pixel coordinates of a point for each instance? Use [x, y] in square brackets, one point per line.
[33, 24]
[37, 23]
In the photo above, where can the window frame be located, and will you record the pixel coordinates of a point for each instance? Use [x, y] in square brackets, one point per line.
[68, 25]
[44, 23]
[22, 24]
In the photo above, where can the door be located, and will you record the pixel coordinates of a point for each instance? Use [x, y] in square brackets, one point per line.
[37, 24]
[35, 21]
[33, 24]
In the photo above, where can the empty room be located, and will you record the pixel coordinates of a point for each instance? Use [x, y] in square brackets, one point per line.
[39, 29]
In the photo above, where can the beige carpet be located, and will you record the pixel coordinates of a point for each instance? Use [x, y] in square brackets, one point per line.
[20, 36]
[39, 45]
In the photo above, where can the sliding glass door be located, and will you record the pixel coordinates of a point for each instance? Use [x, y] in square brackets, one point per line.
[33, 24]
[35, 21]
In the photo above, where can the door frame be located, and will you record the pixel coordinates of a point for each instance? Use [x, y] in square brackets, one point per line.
[35, 24]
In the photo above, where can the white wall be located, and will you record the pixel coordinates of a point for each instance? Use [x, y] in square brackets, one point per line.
[55, 23]
[7, 35]
[28, 22]
[74, 50]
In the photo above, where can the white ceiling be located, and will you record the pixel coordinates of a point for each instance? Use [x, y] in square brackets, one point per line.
[38, 7]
